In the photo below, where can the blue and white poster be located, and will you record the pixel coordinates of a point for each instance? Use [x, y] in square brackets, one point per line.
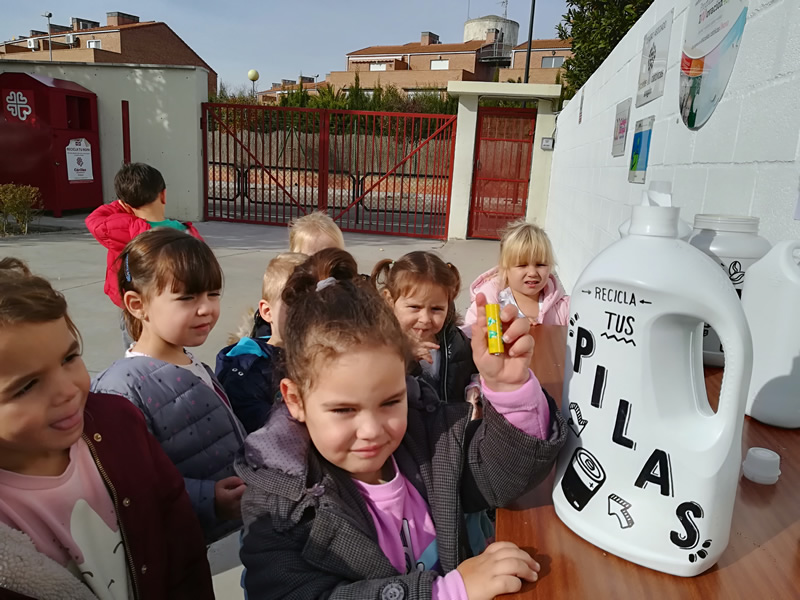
[640, 151]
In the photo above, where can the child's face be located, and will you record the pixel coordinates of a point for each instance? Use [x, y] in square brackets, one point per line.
[43, 389]
[423, 312]
[356, 413]
[528, 278]
[274, 313]
[313, 244]
[181, 319]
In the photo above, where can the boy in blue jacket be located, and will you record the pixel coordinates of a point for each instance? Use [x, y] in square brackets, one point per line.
[245, 369]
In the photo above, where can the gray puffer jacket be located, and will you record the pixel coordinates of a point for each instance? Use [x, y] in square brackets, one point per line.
[192, 422]
[309, 534]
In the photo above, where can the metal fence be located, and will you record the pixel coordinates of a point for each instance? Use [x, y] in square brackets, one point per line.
[372, 172]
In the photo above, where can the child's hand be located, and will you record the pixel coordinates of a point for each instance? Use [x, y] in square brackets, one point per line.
[228, 498]
[422, 350]
[504, 372]
[498, 570]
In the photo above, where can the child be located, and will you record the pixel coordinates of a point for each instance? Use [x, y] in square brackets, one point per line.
[171, 286]
[358, 484]
[421, 289]
[142, 196]
[90, 506]
[312, 232]
[245, 368]
[524, 279]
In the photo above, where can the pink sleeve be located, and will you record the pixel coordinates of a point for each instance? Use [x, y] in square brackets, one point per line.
[449, 587]
[525, 408]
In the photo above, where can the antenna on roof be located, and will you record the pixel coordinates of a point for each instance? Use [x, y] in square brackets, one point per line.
[468, 3]
[504, 4]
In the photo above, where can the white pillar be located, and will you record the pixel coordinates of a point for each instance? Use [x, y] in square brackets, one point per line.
[539, 188]
[463, 161]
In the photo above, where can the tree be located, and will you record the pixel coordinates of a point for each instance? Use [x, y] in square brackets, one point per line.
[595, 27]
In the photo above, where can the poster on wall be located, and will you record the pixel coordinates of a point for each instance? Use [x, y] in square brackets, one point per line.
[79, 160]
[711, 42]
[640, 151]
[653, 68]
[621, 128]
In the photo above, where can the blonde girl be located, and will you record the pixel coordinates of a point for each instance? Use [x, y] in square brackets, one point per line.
[524, 278]
[358, 485]
[171, 285]
[421, 289]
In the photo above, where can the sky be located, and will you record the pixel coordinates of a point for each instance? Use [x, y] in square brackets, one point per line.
[283, 39]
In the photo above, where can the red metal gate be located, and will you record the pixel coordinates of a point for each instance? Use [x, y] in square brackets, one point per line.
[502, 170]
[372, 172]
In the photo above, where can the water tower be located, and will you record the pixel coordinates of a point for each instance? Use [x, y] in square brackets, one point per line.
[503, 34]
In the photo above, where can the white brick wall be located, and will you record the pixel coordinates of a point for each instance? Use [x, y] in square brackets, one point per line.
[745, 160]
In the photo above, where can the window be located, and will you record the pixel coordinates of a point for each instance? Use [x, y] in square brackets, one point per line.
[552, 62]
[377, 66]
[97, 44]
[440, 65]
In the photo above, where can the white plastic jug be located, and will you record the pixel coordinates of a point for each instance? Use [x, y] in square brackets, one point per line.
[649, 471]
[771, 302]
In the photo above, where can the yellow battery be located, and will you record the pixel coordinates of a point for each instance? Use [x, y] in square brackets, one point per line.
[495, 327]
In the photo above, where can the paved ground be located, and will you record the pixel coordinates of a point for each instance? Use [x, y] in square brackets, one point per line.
[75, 263]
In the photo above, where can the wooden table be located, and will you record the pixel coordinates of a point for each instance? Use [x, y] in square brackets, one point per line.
[762, 560]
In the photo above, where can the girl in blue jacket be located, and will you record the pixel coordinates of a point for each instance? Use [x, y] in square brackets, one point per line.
[171, 285]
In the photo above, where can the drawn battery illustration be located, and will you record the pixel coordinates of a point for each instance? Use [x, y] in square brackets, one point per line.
[495, 328]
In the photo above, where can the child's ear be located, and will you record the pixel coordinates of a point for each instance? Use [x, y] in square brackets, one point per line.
[134, 304]
[387, 296]
[162, 197]
[265, 310]
[291, 395]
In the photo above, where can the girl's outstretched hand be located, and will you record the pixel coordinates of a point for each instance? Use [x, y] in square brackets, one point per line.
[500, 569]
[508, 371]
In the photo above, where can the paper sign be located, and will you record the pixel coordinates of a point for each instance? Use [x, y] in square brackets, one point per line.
[621, 128]
[714, 31]
[653, 69]
[640, 151]
[79, 160]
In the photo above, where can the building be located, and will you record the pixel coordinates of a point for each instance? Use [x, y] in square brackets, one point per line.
[274, 93]
[429, 64]
[123, 39]
[547, 57]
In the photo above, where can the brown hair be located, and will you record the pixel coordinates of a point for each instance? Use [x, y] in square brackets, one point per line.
[138, 184]
[28, 298]
[400, 277]
[325, 323]
[161, 257]
[310, 226]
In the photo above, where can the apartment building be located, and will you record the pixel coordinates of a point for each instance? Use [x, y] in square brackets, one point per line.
[123, 39]
[547, 57]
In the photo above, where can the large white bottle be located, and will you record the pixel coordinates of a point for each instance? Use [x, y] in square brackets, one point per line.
[649, 471]
[771, 302]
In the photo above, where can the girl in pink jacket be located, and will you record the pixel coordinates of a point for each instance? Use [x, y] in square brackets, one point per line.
[523, 278]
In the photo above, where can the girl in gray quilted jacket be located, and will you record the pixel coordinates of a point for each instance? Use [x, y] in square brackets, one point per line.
[358, 485]
[170, 284]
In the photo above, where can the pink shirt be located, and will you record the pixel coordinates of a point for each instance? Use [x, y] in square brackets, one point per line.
[71, 519]
[406, 532]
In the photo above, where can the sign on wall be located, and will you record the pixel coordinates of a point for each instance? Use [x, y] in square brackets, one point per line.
[79, 160]
[621, 128]
[640, 151]
[711, 42]
[655, 53]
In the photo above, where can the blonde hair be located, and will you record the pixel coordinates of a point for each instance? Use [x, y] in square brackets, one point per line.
[523, 243]
[310, 226]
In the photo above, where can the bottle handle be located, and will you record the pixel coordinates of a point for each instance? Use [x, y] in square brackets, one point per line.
[787, 249]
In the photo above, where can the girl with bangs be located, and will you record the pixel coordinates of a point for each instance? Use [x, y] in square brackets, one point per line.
[171, 285]
[524, 278]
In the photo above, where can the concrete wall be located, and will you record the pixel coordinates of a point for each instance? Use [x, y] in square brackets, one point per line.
[744, 161]
[164, 105]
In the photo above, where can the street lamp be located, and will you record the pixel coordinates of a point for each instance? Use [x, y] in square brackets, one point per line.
[530, 40]
[252, 75]
[48, 16]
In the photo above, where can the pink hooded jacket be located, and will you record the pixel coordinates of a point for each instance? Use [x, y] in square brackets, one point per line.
[555, 304]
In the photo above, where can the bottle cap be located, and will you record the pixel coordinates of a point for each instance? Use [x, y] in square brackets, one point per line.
[762, 466]
[657, 221]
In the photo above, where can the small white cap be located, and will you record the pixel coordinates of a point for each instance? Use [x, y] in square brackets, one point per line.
[658, 221]
[762, 466]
